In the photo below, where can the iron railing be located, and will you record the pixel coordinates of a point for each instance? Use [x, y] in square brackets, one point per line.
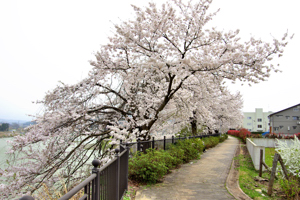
[106, 183]
[111, 180]
[162, 143]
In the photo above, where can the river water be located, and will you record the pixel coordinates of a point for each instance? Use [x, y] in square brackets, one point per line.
[3, 148]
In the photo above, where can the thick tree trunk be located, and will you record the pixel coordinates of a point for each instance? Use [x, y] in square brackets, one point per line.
[194, 127]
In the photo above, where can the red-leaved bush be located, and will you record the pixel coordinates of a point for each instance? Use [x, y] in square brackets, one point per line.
[282, 136]
[242, 133]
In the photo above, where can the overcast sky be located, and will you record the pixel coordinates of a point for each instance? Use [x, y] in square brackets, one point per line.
[44, 42]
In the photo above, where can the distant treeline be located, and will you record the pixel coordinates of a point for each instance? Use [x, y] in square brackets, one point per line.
[8, 126]
[4, 127]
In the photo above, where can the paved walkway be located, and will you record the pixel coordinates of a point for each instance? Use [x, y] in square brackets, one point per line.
[200, 179]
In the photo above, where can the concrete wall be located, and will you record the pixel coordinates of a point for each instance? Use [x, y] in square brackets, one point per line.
[254, 151]
[269, 142]
[255, 144]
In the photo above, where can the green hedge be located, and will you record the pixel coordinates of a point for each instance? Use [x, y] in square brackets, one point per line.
[257, 132]
[150, 167]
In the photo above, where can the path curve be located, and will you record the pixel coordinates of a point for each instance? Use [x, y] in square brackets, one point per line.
[199, 179]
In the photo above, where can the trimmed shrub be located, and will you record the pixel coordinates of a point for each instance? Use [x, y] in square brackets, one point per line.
[149, 167]
[177, 154]
[211, 142]
[223, 137]
[198, 144]
[189, 151]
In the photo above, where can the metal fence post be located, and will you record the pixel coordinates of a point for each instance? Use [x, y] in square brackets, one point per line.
[118, 173]
[164, 142]
[173, 139]
[121, 147]
[95, 187]
[127, 158]
[138, 145]
[152, 142]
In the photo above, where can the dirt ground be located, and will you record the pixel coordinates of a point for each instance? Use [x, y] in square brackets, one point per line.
[232, 182]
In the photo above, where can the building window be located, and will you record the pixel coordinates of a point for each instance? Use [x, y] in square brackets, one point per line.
[259, 120]
[249, 130]
[276, 128]
[287, 117]
[294, 127]
[295, 118]
[279, 116]
[259, 126]
[280, 127]
[296, 109]
[248, 117]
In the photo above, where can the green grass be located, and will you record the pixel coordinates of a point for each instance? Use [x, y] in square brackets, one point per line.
[269, 155]
[248, 184]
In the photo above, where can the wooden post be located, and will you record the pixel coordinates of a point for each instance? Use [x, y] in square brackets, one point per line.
[283, 168]
[261, 162]
[267, 167]
[270, 188]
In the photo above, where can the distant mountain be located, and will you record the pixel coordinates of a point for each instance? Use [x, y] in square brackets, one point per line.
[12, 121]
[28, 123]
[20, 122]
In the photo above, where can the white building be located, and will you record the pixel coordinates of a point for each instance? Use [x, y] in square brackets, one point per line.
[257, 121]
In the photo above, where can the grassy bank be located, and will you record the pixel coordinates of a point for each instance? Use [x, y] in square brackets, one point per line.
[255, 187]
[269, 155]
[6, 134]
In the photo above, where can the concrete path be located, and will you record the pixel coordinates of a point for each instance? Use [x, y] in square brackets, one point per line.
[199, 179]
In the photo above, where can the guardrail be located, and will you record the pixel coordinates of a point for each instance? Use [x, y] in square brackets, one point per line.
[108, 182]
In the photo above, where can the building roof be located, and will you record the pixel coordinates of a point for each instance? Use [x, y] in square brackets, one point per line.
[284, 109]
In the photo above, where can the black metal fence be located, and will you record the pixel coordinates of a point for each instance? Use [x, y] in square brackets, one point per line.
[106, 183]
[162, 143]
[111, 180]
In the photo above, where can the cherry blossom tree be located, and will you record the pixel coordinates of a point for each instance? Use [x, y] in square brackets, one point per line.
[210, 108]
[134, 88]
[226, 112]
